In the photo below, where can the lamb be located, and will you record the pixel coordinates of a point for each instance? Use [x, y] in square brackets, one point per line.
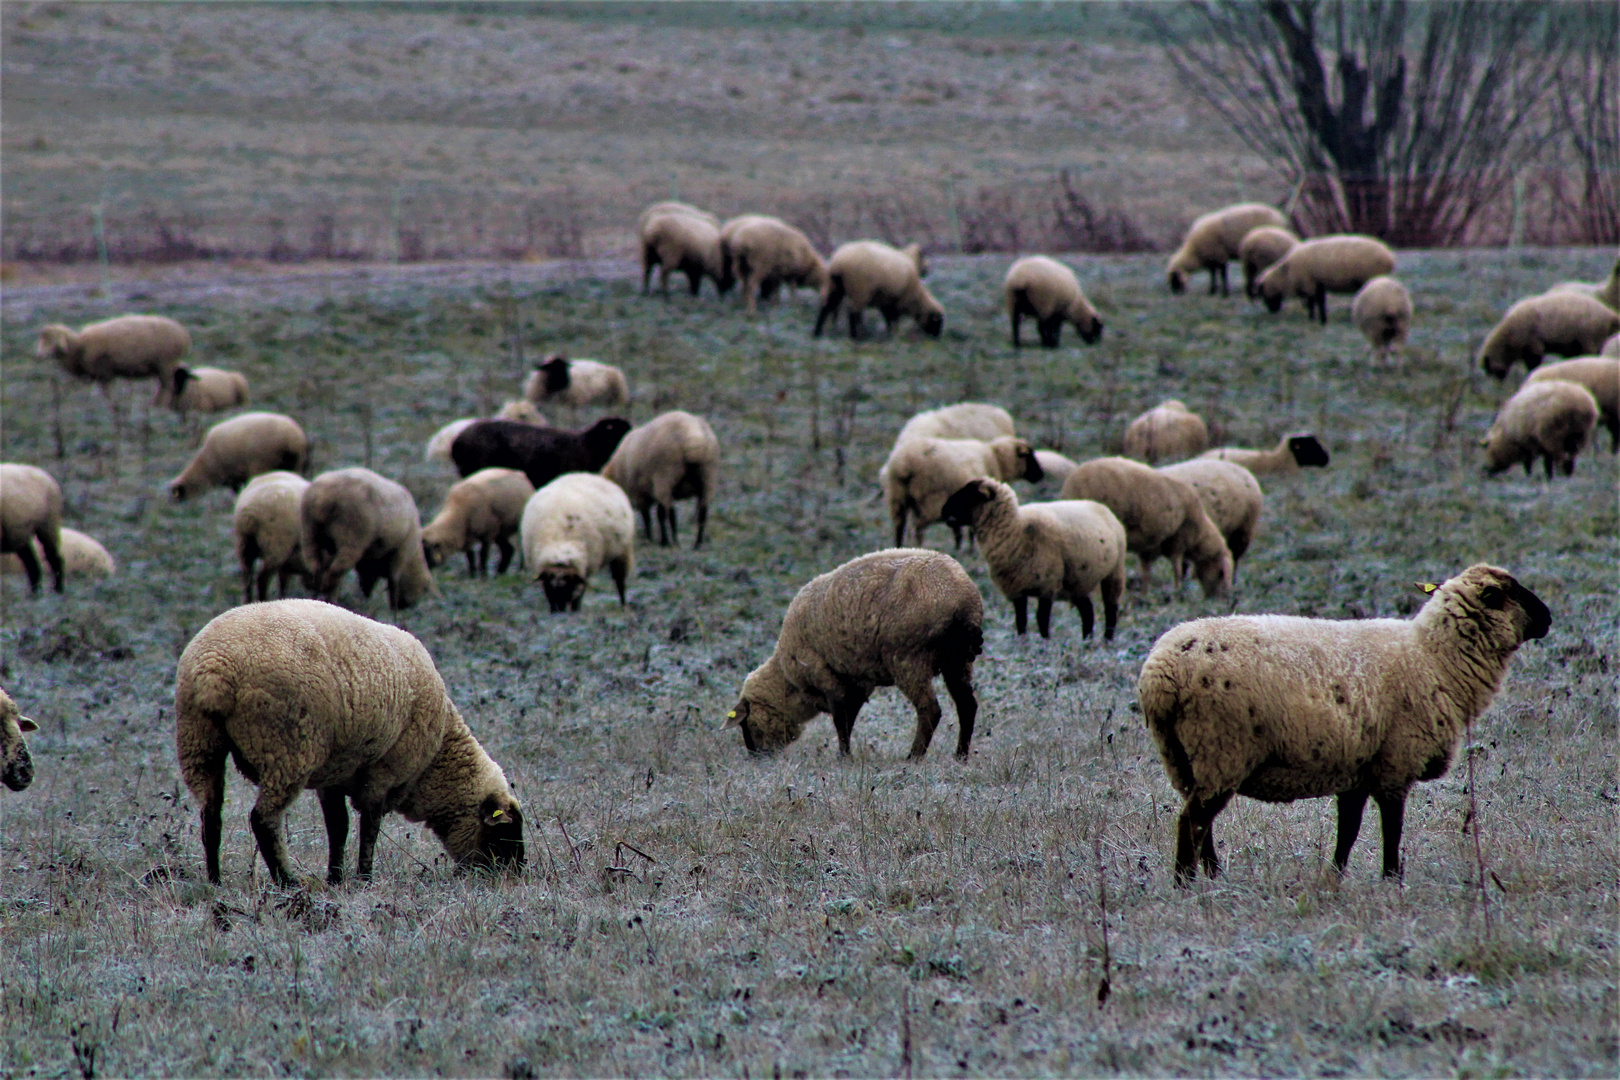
[867, 273]
[82, 556]
[268, 527]
[542, 454]
[31, 512]
[1049, 291]
[573, 527]
[1564, 323]
[922, 473]
[1600, 375]
[576, 383]
[891, 618]
[1301, 450]
[673, 456]
[204, 390]
[16, 765]
[521, 410]
[1161, 515]
[484, 509]
[353, 519]
[1280, 708]
[685, 243]
[236, 450]
[1215, 239]
[1314, 268]
[1551, 420]
[1230, 495]
[1260, 250]
[128, 347]
[302, 694]
[1167, 432]
[1382, 311]
[765, 253]
[1051, 551]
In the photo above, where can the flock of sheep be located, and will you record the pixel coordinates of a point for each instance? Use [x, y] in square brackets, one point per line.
[303, 694]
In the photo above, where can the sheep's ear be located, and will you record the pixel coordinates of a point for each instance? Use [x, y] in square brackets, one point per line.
[1425, 587]
[736, 716]
[27, 724]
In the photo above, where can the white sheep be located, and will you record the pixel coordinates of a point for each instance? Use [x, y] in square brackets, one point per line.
[127, 347]
[671, 206]
[681, 242]
[204, 390]
[1048, 290]
[1214, 240]
[572, 527]
[1162, 516]
[236, 450]
[868, 273]
[1551, 420]
[1063, 550]
[892, 618]
[1382, 311]
[1166, 432]
[1611, 347]
[30, 513]
[16, 764]
[765, 253]
[1230, 495]
[1563, 323]
[1301, 450]
[1605, 292]
[1260, 250]
[353, 519]
[1055, 468]
[576, 383]
[1280, 708]
[1314, 268]
[268, 527]
[82, 556]
[1600, 375]
[922, 473]
[673, 456]
[486, 508]
[968, 420]
[302, 694]
[521, 410]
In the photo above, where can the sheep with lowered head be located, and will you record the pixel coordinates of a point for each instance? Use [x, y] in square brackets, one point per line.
[1260, 250]
[16, 766]
[572, 527]
[1382, 311]
[269, 532]
[236, 450]
[672, 456]
[484, 509]
[679, 242]
[30, 513]
[82, 556]
[1166, 432]
[1230, 495]
[765, 253]
[204, 390]
[1215, 239]
[353, 519]
[1301, 450]
[867, 273]
[892, 618]
[968, 420]
[1551, 420]
[922, 473]
[1281, 708]
[1563, 323]
[1600, 375]
[1047, 290]
[671, 206]
[127, 347]
[1314, 268]
[302, 694]
[576, 383]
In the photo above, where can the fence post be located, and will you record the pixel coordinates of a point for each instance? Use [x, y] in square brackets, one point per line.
[99, 226]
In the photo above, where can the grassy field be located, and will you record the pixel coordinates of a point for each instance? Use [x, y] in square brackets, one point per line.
[689, 910]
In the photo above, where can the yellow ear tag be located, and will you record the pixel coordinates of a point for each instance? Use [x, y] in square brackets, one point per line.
[1425, 587]
[732, 715]
[498, 813]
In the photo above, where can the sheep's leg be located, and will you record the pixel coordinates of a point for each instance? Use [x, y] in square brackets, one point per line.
[1392, 814]
[647, 520]
[620, 569]
[674, 526]
[1212, 278]
[694, 277]
[1147, 572]
[1017, 319]
[1321, 303]
[829, 307]
[956, 535]
[472, 561]
[857, 321]
[264, 583]
[336, 813]
[899, 519]
[649, 259]
[370, 826]
[1043, 615]
[1195, 839]
[1225, 286]
[703, 520]
[663, 528]
[25, 555]
[844, 711]
[51, 545]
[1351, 804]
[204, 770]
[1088, 617]
[505, 547]
[917, 683]
[1020, 614]
[749, 288]
[1051, 331]
[959, 683]
[265, 820]
[1112, 589]
[283, 575]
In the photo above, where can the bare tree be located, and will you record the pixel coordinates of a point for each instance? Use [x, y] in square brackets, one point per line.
[1589, 109]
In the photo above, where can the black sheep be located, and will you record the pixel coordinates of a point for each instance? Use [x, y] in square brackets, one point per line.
[542, 453]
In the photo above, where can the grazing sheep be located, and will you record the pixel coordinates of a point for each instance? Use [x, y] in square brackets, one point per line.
[1551, 420]
[892, 618]
[1055, 468]
[968, 420]
[1382, 311]
[1564, 323]
[1605, 292]
[31, 512]
[204, 390]
[1611, 347]
[1259, 251]
[520, 410]
[576, 383]
[673, 456]
[353, 519]
[1162, 516]
[1215, 239]
[1049, 291]
[1314, 268]
[236, 450]
[672, 207]
[542, 454]
[573, 527]
[922, 473]
[1292, 453]
[302, 694]
[268, 527]
[484, 509]
[765, 253]
[1052, 551]
[1280, 708]
[1230, 495]
[681, 242]
[82, 556]
[1166, 432]
[128, 347]
[16, 766]
[868, 273]
[1599, 374]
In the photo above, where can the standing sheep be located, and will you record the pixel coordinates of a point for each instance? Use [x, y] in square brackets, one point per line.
[1280, 708]
[268, 527]
[353, 519]
[204, 390]
[543, 454]
[520, 410]
[236, 450]
[576, 383]
[766, 253]
[1166, 432]
[1055, 468]
[82, 556]
[1600, 375]
[1314, 268]
[1162, 516]
[1230, 495]
[302, 694]
[128, 347]
[673, 207]
[1382, 311]
[1049, 291]
[1550, 420]
[1564, 323]
[1052, 551]
[1259, 251]
[968, 420]
[681, 242]
[868, 273]
[922, 473]
[30, 512]
[16, 765]
[1605, 292]
[892, 618]
[1215, 239]
[573, 527]
[484, 509]
[1292, 453]
[673, 456]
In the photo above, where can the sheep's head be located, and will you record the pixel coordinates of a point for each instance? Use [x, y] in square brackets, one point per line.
[1307, 451]
[1272, 288]
[487, 836]
[1177, 281]
[555, 373]
[55, 342]
[1486, 604]
[436, 551]
[1215, 574]
[1495, 358]
[771, 712]
[564, 587]
[1090, 328]
[603, 437]
[179, 490]
[933, 323]
[1500, 453]
[1029, 466]
[17, 768]
[962, 508]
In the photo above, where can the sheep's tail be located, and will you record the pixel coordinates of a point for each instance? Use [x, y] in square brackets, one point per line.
[962, 640]
[1162, 711]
